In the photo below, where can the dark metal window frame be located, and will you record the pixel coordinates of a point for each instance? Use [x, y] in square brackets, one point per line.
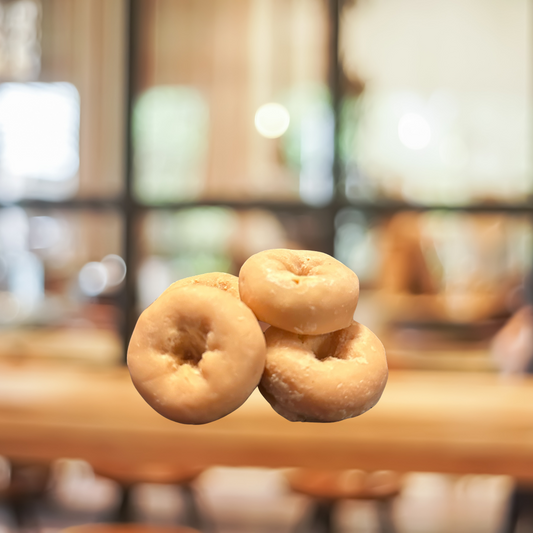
[131, 210]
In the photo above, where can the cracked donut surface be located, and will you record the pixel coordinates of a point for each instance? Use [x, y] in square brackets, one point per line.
[196, 354]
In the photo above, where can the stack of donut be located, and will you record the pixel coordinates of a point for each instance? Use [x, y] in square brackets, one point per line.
[198, 351]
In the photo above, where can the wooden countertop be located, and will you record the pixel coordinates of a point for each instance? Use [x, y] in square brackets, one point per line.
[425, 421]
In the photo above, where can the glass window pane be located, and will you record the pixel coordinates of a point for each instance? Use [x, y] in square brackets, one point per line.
[62, 101]
[437, 286]
[439, 101]
[60, 273]
[206, 71]
[198, 240]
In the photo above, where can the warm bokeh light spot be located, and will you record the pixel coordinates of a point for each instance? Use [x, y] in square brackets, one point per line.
[116, 269]
[414, 131]
[272, 120]
[93, 278]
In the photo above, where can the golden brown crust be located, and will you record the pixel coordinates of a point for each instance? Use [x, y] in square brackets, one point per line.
[196, 354]
[219, 280]
[323, 378]
[300, 291]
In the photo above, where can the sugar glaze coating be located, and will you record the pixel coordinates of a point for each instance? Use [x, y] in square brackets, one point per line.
[196, 354]
[324, 378]
[304, 292]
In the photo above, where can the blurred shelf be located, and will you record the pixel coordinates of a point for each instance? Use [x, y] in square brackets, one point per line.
[469, 360]
[386, 207]
[87, 346]
[276, 206]
[378, 206]
[97, 204]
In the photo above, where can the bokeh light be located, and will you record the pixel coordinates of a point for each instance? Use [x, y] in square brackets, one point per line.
[272, 120]
[39, 124]
[414, 131]
[93, 278]
[116, 269]
[45, 232]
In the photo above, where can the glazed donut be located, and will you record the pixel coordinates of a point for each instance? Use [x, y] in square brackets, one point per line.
[323, 378]
[304, 292]
[218, 280]
[196, 354]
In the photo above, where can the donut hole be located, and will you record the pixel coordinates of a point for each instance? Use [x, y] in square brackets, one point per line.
[329, 346]
[190, 341]
[298, 266]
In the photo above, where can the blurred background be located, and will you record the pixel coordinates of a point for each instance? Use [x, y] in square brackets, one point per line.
[146, 141]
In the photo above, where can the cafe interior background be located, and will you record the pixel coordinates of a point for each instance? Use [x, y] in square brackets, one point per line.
[136, 149]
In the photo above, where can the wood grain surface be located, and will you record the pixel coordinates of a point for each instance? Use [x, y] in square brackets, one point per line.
[425, 421]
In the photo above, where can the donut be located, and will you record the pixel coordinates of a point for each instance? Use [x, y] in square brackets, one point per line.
[323, 378]
[304, 292]
[196, 354]
[218, 280]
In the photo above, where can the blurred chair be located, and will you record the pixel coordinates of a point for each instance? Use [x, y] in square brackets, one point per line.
[512, 346]
[327, 488]
[519, 509]
[129, 475]
[26, 484]
[512, 350]
[127, 528]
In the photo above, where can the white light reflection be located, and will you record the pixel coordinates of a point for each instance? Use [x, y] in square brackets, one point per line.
[272, 120]
[39, 128]
[116, 269]
[453, 152]
[414, 131]
[93, 278]
[45, 232]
